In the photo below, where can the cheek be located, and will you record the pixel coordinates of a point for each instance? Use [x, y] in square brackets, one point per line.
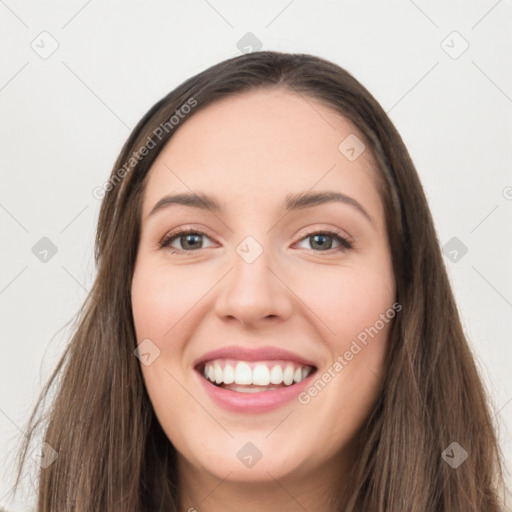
[161, 297]
[161, 300]
[356, 304]
[349, 299]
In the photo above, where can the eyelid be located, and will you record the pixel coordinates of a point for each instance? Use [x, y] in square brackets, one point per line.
[331, 230]
[183, 230]
[345, 242]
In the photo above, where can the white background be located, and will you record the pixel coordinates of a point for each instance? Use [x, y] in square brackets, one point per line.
[64, 119]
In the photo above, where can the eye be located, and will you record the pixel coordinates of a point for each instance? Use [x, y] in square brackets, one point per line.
[188, 240]
[191, 240]
[322, 241]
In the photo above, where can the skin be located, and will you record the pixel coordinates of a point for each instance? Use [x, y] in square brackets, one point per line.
[250, 151]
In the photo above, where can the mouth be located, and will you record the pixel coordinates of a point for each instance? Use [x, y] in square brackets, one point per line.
[253, 377]
[253, 381]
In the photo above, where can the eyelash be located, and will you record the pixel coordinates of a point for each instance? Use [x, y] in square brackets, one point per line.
[345, 244]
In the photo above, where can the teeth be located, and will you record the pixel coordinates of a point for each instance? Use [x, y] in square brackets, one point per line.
[276, 374]
[288, 375]
[243, 374]
[229, 374]
[261, 374]
[218, 373]
[251, 389]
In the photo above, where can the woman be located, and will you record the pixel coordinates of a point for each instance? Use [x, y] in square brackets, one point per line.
[271, 326]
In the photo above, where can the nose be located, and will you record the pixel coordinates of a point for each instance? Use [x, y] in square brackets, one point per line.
[254, 294]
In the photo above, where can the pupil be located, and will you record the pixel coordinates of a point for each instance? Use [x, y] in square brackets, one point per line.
[191, 237]
[322, 244]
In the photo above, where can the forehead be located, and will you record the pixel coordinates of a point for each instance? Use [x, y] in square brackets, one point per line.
[258, 147]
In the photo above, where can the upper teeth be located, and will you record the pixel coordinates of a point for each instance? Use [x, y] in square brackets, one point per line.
[261, 374]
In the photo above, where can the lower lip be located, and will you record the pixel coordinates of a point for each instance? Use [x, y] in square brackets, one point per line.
[263, 401]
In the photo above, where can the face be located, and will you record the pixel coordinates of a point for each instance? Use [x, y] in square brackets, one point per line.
[292, 300]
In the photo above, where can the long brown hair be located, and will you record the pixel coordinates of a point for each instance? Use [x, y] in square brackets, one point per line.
[112, 453]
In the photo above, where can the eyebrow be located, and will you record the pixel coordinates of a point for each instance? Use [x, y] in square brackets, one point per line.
[297, 201]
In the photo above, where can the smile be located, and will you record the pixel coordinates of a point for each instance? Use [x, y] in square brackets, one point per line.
[247, 380]
[254, 376]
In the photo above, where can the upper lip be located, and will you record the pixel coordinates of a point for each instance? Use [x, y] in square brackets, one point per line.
[252, 354]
